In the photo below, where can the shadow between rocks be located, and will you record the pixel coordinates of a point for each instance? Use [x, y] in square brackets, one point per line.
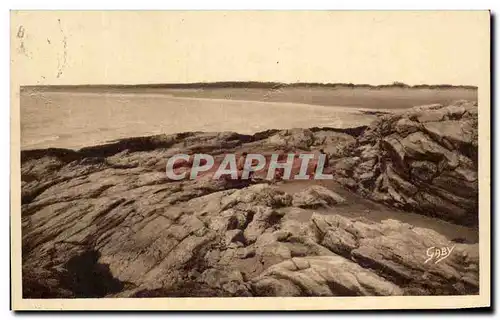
[87, 278]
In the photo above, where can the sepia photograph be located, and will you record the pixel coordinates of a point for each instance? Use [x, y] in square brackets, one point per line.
[262, 156]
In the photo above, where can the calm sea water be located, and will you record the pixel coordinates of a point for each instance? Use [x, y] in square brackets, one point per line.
[75, 120]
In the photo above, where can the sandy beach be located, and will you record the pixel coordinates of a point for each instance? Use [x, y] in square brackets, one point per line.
[79, 119]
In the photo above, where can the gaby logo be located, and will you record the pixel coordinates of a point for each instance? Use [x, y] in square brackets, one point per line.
[438, 254]
[293, 166]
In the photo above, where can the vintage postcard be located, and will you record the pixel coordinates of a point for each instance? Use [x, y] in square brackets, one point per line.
[250, 160]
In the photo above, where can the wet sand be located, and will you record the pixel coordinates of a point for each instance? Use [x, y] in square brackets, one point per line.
[75, 120]
[357, 206]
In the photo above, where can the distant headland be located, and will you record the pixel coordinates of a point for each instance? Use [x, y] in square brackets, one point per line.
[248, 84]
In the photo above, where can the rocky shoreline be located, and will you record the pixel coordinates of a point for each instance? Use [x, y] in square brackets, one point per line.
[105, 221]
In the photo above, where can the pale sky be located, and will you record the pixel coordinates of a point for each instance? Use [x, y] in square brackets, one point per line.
[170, 47]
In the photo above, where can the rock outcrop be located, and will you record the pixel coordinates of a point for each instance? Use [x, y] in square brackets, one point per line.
[105, 221]
[424, 160]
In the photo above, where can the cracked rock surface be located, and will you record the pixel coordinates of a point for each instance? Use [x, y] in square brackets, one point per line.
[105, 221]
[424, 160]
